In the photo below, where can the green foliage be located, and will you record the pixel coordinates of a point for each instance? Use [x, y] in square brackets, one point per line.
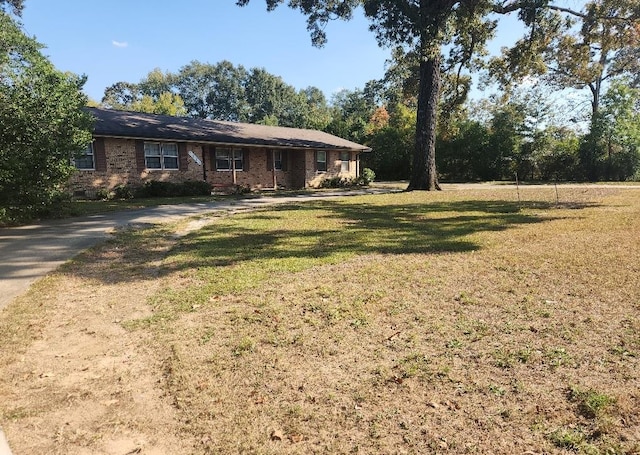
[14, 6]
[570, 439]
[123, 192]
[337, 182]
[611, 149]
[516, 134]
[222, 91]
[585, 50]
[599, 45]
[367, 177]
[167, 103]
[467, 155]
[317, 113]
[559, 160]
[212, 91]
[120, 192]
[103, 194]
[591, 404]
[42, 125]
[155, 188]
[351, 111]
[270, 101]
[364, 179]
[153, 94]
[392, 145]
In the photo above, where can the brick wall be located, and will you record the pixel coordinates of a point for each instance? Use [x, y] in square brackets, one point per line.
[121, 169]
[257, 176]
[334, 168]
[301, 170]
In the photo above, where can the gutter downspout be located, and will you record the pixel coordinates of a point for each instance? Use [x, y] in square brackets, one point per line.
[233, 165]
[273, 168]
[204, 163]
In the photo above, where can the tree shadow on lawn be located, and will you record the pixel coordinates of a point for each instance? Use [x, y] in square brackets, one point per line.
[294, 238]
[366, 229]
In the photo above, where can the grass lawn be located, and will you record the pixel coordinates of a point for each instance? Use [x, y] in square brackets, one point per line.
[451, 322]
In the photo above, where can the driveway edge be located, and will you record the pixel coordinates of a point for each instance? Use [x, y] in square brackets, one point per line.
[4, 444]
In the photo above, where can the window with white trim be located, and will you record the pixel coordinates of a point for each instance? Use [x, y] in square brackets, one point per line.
[224, 159]
[321, 161]
[85, 160]
[277, 159]
[160, 155]
[345, 157]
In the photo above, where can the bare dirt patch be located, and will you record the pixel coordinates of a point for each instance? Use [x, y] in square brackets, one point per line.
[407, 323]
[74, 380]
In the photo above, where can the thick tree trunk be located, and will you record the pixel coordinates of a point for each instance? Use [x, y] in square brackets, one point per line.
[423, 173]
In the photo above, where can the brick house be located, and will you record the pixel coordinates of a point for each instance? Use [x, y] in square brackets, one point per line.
[130, 148]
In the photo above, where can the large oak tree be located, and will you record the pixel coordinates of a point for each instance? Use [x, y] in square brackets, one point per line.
[428, 28]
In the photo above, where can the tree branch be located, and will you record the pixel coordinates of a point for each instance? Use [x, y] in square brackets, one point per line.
[518, 5]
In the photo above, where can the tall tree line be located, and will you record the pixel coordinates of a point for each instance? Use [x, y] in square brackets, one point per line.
[518, 131]
[222, 91]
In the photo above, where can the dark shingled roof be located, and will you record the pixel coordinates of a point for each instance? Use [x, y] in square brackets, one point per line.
[151, 126]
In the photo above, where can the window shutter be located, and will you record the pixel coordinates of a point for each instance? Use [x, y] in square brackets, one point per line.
[140, 164]
[269, 160]
[214, 157]
[99, 155]
[285, 159]
[245, 158]
[182, 156]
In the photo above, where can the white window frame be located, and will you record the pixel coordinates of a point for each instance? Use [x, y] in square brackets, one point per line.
[231, 154]
[87, 152]
[277, 159]
[163, 156]
[166, 156]
[345, 164]
[318, 161]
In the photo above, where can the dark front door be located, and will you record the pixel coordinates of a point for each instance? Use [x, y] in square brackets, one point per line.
[298, 169]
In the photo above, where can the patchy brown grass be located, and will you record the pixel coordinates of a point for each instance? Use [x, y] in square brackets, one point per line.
[455, 322]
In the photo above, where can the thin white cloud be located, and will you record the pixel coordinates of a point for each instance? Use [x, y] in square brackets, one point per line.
[119, 43]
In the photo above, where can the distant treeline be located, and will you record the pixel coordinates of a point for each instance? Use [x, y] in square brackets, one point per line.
[524, 133]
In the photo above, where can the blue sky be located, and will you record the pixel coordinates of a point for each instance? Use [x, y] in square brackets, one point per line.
[122, 40]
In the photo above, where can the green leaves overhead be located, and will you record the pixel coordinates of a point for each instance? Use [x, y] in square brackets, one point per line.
[13, 6]
[318, 13]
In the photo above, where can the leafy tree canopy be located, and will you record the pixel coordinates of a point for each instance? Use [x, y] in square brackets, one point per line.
[42, 124]
[428, 28]
[222, 91]
[14, 6]
[153, 94]
[584, 49]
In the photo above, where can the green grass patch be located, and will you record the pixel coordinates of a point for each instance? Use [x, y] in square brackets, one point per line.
[237, 253]
[591, 404]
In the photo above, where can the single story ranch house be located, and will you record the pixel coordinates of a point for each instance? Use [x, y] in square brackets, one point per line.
[130, 148]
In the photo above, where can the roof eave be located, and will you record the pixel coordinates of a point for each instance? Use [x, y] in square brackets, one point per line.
[231, 144]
